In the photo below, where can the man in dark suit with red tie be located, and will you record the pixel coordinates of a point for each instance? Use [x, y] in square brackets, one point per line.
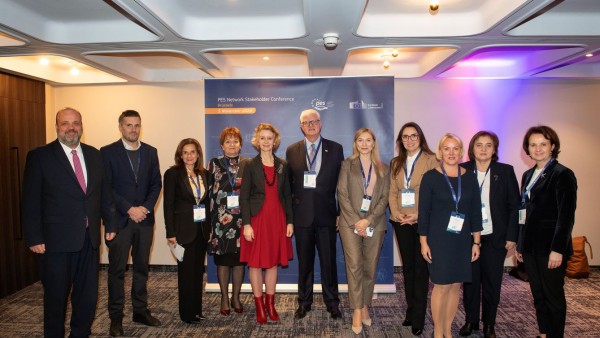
[65, 193]
[314, 165]
[134, 174]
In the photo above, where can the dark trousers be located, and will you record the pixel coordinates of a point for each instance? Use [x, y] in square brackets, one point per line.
[75, 273]
[547, 289]
[138, 239]
[415, 272]
[486, 283]
[190, 278]
[324, 238]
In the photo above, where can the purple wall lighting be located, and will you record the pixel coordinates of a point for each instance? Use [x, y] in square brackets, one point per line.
[508, 62]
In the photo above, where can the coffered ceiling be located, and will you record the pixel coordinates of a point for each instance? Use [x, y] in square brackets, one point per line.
[67, 42]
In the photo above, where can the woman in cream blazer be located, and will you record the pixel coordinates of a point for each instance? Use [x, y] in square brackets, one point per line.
[363, 188]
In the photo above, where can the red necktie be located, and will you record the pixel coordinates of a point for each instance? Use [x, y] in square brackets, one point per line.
[78, 169]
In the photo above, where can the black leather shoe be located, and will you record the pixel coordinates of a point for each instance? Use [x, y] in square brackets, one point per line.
[146, 318]
[200, 317]
[116, 327]
[417, 331]
[195, 321]
[488, 331]
[334, 311]
[301, 312]
[468, 328]
[407, 322]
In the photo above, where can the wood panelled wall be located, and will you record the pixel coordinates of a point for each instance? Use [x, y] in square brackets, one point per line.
[22, 128]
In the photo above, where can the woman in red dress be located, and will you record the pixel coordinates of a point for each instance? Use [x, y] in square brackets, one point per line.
[266, 206]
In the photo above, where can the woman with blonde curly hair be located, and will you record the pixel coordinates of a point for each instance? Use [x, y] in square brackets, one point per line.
[266, 205]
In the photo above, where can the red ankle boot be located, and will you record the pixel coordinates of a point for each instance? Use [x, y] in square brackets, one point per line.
[270, 304]
[261, 316]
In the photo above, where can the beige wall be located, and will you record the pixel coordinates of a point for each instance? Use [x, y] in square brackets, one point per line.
[171, 112]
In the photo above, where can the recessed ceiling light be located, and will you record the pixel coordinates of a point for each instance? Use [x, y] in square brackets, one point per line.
[266, 58]
[589, 55]
[74, 71]
[44, 62]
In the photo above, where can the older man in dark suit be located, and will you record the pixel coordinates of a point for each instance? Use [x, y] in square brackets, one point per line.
[133, 171]
[314, 165]
[65, 192]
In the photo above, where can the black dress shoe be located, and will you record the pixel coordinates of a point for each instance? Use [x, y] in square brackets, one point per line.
[146, 318]
[417, 331]
[407, 322]
[116, 327]
[195, 321]
[468, 328]
[488, 331]
[334, 311]
[200, 317]
[301, 312]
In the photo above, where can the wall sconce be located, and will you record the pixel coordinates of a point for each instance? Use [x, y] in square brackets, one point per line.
[434, 5]
[395, 52]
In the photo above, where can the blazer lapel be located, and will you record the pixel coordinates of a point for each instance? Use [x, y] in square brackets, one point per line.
[185, 180]
[64, 161]
[124, 156]
[324, 155]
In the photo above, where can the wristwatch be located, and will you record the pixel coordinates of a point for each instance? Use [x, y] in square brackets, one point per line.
[478, 244]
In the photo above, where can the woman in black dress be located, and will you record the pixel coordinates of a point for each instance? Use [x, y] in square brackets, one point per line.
[547, 215]
[225, 180]
[449, 226]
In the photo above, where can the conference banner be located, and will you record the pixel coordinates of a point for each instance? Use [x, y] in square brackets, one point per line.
[345, 105]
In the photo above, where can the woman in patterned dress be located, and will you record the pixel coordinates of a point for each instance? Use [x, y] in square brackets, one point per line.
[225, 180]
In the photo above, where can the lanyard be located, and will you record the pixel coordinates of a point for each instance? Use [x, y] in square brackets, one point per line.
[484, 177]
[139, 155]
[366, 181]
[197, 186]
[314, 159]
[525, 190]
[226, 162]
[411, 170]
[454, 197]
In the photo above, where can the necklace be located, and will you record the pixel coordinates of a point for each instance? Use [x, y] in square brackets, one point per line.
[274, 178]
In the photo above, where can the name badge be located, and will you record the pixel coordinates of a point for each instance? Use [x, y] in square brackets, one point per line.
[233, 201]
[366, 204]
[522, 215]
[456, 222]
[199, 213]
[310, 179]
[408, 198]
[484, 216]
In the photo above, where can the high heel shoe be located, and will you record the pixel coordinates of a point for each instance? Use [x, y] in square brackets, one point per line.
[225, 312]
[237, 309]
[261, 316]
[367, 322]
[270, 305]
[357, 329]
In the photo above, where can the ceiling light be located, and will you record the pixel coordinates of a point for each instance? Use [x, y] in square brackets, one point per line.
[44, 62]
[266, 58]
[386, 64]
[589, 55]
[434, 5]
[74, 71]
[395, 52]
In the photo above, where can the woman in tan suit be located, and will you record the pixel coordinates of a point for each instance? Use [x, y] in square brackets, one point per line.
[413, 161]
[363, 188]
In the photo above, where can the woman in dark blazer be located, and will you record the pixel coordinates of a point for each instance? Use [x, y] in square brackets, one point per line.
[547, 215]
[500, 208]
[363, 191]
[266, 205]
[185, 196]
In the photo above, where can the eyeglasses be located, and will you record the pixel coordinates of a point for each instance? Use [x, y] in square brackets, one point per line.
[310, 123]
[412, 137]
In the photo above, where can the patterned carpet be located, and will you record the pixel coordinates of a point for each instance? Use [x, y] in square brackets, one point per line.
[21, 313]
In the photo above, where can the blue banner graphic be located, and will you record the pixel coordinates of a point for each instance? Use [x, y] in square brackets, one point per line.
[345, 104]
